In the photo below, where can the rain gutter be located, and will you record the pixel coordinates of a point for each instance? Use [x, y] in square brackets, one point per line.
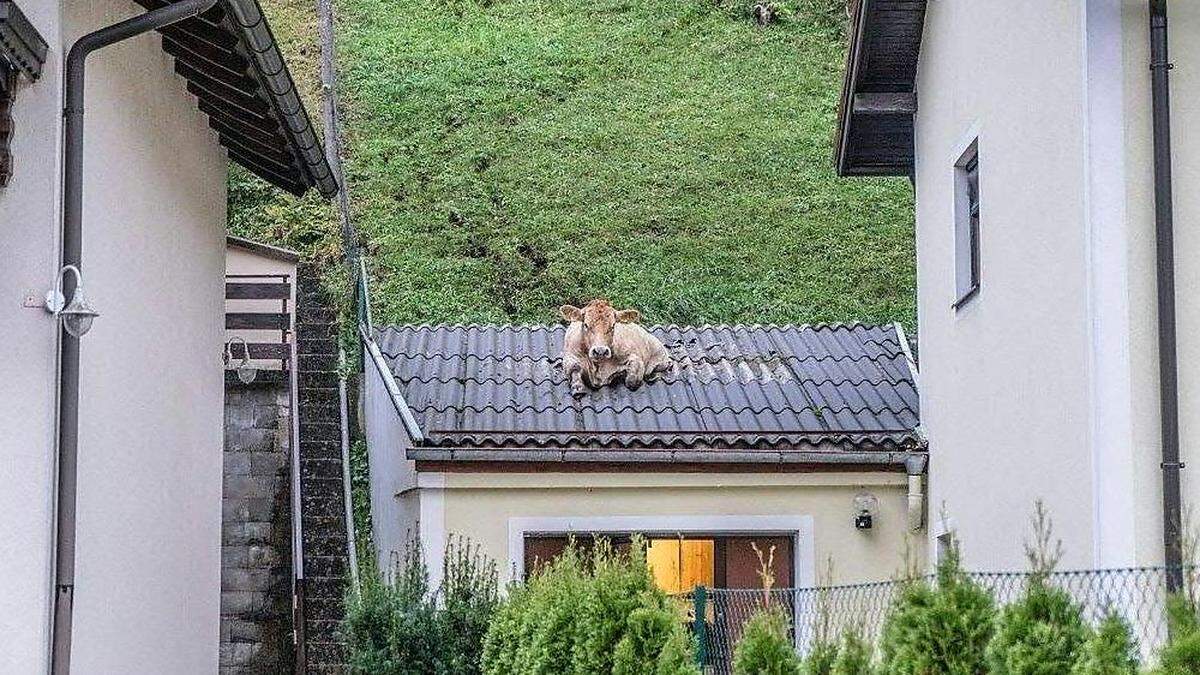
[910, 461]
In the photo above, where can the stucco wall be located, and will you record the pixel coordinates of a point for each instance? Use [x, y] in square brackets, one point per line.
[484, 506]
[393, 509]
[152, 381]
[1185, 118]
[1005, 379]
[148, 564]
[28, 226]
[1047, 385]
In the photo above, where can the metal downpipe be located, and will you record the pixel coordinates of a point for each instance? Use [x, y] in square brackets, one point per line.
[1160, 67]
[72, 248]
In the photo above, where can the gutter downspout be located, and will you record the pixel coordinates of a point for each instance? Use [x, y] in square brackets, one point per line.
[72, 246]
[1160, 67]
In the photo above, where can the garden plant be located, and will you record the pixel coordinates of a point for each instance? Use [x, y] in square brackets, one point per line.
[598, 613]
[396, 624]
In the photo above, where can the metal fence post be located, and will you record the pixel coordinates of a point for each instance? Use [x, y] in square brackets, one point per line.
[699, 626]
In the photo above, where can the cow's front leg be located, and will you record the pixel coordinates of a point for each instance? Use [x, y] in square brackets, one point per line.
[575, 377]
[635, 372]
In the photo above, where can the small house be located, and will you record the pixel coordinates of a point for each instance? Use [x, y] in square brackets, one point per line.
[805, 439]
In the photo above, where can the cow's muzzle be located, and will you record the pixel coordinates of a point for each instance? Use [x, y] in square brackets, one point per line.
[600, 352]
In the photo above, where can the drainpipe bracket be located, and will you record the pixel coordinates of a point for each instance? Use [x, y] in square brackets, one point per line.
[1172, 465]
[1160, 64]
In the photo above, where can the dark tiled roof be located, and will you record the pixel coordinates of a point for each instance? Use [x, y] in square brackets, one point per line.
[233, 67]
[813, 388]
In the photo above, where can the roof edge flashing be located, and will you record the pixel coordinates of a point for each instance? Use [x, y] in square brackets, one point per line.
[906, 459]
[415, 434]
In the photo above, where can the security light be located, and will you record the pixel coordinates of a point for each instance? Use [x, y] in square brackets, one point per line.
[246, 373]
[865, 506]
[76, 315]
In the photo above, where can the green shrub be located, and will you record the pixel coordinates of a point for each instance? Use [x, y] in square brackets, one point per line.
[939, 630]
[820, 659]
[1111, 650]
[854, 655]
[620, 584]
[653, 643]
[1040, 634]
[765, 647]
[600, 615]
[1182, 655]
[394, 625]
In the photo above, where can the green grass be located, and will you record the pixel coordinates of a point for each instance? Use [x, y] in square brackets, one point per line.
[507, 157]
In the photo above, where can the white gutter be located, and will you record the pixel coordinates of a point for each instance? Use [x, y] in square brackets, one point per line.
[389, 381]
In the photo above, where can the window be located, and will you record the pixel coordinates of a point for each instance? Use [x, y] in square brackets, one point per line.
[966, 226]
[679, 563]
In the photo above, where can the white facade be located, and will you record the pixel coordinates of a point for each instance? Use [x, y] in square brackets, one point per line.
[148, 557]
[1045, 385]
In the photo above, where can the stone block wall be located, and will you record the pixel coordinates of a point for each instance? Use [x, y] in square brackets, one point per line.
[256, 547]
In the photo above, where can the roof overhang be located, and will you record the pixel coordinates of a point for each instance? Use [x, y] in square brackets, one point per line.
[285, 255]
[233, 67]
[875, 116]
[21, 46]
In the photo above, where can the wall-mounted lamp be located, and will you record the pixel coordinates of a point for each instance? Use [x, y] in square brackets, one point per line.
[77, 314]
[246, 373]
[865, 507]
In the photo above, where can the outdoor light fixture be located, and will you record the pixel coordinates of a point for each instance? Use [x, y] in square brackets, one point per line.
[77, 314]
[245, 372]
[865, 506]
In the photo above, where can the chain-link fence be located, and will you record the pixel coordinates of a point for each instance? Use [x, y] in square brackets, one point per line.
[1137, 594]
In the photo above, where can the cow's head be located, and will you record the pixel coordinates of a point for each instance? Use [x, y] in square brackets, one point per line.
[598, 319]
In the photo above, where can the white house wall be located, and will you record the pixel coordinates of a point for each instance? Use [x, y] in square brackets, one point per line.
[28, 227]
[1185, 119]
[148, 559]
[1005, 379]
[394, 507]
[152, 384]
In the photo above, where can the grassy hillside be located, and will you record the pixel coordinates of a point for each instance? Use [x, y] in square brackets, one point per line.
[508, 156]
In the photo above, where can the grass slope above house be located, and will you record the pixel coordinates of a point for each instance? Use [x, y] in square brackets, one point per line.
[507, 157]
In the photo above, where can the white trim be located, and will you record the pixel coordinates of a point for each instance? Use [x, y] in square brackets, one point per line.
[908, 355]
[941, 528]
[432, 524]
[800, 527]
[1110, 408]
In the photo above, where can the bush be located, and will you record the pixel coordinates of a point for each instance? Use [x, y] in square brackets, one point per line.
[1043, 632]
[854, 655]
[600, 615]
[1111, 650]
[1182, 655]
[820, 659]
[394, 625]
[1040, 634]
[939, 630]
[653, 643]
[765, 648]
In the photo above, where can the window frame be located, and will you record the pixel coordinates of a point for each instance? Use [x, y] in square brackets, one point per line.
[967, 228]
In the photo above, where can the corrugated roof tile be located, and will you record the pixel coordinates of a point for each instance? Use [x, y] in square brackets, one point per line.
[733, 387]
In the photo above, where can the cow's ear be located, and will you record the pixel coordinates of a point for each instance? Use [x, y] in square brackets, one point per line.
[571, 313]
[628, 316]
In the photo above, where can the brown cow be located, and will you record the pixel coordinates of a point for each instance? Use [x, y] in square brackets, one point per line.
[602, 344]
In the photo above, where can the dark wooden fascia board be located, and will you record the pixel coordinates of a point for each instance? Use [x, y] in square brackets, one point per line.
[888, 103]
